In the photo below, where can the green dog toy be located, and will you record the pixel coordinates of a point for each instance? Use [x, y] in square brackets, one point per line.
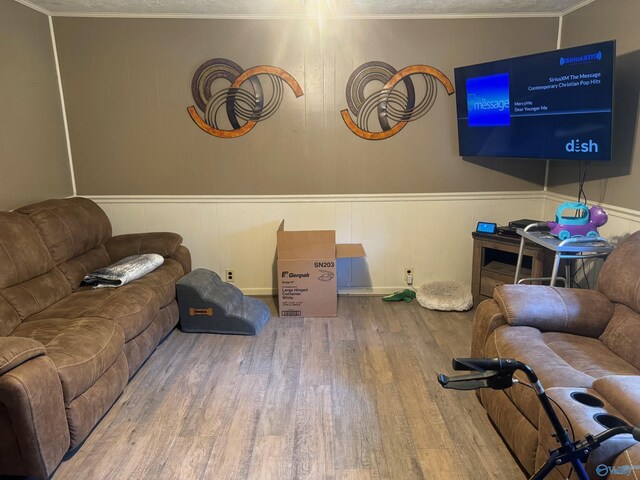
[403, 295]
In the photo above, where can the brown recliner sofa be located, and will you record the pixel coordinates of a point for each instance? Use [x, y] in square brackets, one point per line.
[67, 351]
[585, 341]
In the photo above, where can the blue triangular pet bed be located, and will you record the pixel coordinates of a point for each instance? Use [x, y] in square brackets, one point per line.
[209, 305]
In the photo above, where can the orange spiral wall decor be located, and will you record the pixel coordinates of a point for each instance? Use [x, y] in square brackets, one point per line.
[243, 107]
[393, 107]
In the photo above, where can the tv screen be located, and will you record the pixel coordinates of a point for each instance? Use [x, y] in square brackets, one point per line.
[553, 105]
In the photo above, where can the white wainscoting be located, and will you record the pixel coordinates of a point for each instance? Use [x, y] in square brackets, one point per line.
[428, 232]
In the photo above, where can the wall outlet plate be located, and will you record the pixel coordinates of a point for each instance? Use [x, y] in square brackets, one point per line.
[408, 275]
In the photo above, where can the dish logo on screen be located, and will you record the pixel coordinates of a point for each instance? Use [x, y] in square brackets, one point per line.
[488, 101]
[577, 146]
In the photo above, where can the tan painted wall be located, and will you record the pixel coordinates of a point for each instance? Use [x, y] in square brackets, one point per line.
[33, 155]
[615, 182]
[127, 87]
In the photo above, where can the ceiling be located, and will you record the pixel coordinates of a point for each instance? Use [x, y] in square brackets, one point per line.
[293, 8]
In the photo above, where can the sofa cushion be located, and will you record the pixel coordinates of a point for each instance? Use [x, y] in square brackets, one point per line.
[618, 279]
[162, 243]
[26, 272]
[588, 355]
[133, 307]
[78, 267]
[22, 254]
[559, 360]
[9, 318]
[163, 281]
[82, 349]
[69, 227]
[621, 334]
[33, 296]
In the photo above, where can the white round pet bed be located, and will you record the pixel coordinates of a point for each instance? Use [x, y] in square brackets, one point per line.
[445, 296]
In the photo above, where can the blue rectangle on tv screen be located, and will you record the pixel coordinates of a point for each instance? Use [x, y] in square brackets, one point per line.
[555, 105]
[488, 101]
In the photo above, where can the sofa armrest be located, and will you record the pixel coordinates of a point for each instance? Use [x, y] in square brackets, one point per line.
[580, 312]
[162, 243]
[623, 392]
[15, 351]
[34, 434]
[183, 256]
[487, 318]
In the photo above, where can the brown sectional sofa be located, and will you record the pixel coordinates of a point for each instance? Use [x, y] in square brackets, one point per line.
[67, 351]
[576, 341]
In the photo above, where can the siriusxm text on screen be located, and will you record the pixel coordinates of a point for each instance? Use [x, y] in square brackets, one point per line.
[555, 105]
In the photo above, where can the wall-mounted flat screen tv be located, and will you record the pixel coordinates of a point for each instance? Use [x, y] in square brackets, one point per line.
[552, 105]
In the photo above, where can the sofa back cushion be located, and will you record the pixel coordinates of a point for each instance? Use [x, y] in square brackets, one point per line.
[33, 296]
[619, 278]
[74, 230]
[69, 227]
[9, 318]
[22, 254]
[29, 281]
[78, 267]
[622, 334]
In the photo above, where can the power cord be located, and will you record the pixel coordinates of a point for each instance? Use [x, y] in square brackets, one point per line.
[582, 176]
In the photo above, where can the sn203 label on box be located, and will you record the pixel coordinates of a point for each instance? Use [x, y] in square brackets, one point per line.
[324, 264]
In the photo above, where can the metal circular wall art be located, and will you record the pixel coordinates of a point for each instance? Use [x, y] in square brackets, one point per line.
[393, 107]
[243, 103]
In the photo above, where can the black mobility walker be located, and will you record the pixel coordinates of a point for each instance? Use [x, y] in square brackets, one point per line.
[497, 373]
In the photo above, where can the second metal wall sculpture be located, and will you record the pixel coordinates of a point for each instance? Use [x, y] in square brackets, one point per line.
[392, 107]
[239, 105]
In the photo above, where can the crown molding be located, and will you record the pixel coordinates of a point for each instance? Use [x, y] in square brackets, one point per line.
[307, 16]
[577, 6]
[32, 6]
[442, 16]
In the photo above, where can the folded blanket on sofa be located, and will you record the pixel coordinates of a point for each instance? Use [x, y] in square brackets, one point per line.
[124, 271]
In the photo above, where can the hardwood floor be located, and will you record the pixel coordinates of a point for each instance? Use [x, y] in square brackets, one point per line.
[347, 398]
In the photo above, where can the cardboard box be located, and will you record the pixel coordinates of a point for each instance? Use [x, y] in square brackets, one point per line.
[307, 284]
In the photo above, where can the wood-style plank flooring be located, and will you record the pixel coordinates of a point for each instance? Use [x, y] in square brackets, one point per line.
[347, 398]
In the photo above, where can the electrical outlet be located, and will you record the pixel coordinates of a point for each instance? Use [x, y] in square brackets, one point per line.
[408, 275]
[229, 276]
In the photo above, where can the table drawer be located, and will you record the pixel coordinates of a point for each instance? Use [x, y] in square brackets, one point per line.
[490, 280]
